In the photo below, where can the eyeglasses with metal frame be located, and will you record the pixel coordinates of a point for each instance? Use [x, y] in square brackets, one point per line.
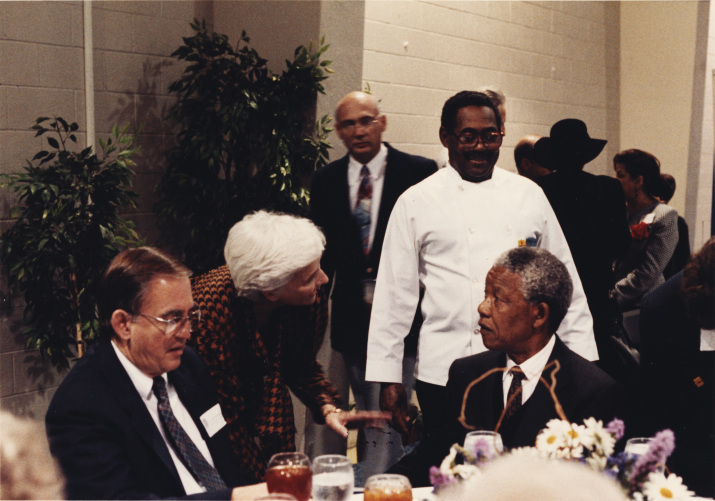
[350, 126]
[174, 325]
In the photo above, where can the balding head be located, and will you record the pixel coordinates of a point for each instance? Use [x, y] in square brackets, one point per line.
[360, 125]
[526, 161]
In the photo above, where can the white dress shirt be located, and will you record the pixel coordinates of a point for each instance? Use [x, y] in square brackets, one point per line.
[144, 384]
[376, 166]
[532, 369]
[444, 235]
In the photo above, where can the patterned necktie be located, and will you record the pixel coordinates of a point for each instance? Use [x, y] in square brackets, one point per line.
[517, 376]
[202, 471]
[363, 207]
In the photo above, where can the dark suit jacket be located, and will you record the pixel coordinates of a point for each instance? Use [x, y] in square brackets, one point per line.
[583, 390]
[592, 213]
[330, 210]
[106, 441]
[678, 385]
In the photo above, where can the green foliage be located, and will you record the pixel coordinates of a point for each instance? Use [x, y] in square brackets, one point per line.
[246, 141]
[66, 233]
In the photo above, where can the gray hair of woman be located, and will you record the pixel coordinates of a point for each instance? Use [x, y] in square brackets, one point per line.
[265, 249]
[544, 279]
[27, 468]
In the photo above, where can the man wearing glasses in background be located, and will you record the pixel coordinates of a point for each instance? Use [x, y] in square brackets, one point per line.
[351, 201]
[443, 236]
[137, 417]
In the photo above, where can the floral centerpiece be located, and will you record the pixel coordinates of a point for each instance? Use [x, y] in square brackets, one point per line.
[641, 477]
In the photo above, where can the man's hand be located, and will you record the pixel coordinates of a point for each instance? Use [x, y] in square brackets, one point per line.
[393, 399]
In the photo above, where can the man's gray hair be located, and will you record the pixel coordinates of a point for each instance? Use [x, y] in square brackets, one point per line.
[265, 249]
[544, 279]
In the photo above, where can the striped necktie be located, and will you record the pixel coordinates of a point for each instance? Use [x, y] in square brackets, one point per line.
[517, 376]
[363, 206]
[195, 462]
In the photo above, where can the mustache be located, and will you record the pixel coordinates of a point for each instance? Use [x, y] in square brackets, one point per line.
[478, 155]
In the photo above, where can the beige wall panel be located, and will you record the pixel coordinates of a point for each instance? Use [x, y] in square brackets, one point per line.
[62, 67]
[20, 63]
[657, 65]
[56, 23]
[548, 58]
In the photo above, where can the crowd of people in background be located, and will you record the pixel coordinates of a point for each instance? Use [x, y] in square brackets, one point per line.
[467, 268]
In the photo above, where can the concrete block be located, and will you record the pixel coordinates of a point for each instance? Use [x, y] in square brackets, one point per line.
[3, 108]
[112, 29]
[171, 71]
[183, 11]
[152, 157]
[113, 108]
[6, 375]
[33, 372]
[20, 63]
[63, 67]
[25, 105]
[17, 147]
[147, 8]
[50, 22]
[500, 10]
[129, 72]
[11, 323]
[157, 36]
[32, 405]
[531, 15]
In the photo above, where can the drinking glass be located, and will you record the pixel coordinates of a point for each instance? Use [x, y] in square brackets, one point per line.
[388, 487]
[488, 443]
[289, 472]
[333, 478]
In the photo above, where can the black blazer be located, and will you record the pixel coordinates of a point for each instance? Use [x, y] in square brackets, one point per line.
[592, 213]
[106, 442]
[330, 210]
[583, 390]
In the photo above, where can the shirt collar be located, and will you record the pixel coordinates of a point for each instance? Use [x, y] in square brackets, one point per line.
[141, 381]
[534, 366]
[376, 165]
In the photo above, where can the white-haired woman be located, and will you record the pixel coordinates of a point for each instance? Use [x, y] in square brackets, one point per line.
[263, 316]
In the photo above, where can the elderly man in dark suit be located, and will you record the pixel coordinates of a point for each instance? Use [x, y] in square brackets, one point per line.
[528, 291]
[592, 213]
[137, 417]
[351, 200]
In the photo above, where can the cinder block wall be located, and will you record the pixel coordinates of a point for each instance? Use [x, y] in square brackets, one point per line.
[42, 74]
[553, 60]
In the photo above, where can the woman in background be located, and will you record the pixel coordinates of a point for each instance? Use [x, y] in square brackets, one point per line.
[654, 229]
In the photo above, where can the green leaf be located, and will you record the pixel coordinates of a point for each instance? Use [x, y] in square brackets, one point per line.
[53, 142]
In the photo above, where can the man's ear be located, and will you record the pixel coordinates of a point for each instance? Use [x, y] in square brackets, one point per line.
[443, 135]
[541, 315]
[382, 120]
[120, 323]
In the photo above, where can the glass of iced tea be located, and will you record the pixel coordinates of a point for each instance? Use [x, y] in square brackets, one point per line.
[388, 487]
[290, 472]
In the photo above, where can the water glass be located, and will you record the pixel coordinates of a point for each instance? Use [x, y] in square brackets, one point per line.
[333, 478]
[488, 443]
[388, 487]
[289, 472]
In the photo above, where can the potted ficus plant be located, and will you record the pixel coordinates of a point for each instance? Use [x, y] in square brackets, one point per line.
[67, 230]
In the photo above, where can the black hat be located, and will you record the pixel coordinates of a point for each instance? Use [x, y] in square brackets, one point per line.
[569, 144]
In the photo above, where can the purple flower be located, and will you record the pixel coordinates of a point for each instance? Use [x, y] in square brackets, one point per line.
[660, 448]
[439, 479]
[616, 428]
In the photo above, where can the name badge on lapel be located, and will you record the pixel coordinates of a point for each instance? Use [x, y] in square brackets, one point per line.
[213, 420]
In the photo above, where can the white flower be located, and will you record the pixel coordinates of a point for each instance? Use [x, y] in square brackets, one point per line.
[595, 438]
[448, 461]
[561, 439]
[526, 451]
[660, 488]
[597, 462]
[553, 437]
[465, 471]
